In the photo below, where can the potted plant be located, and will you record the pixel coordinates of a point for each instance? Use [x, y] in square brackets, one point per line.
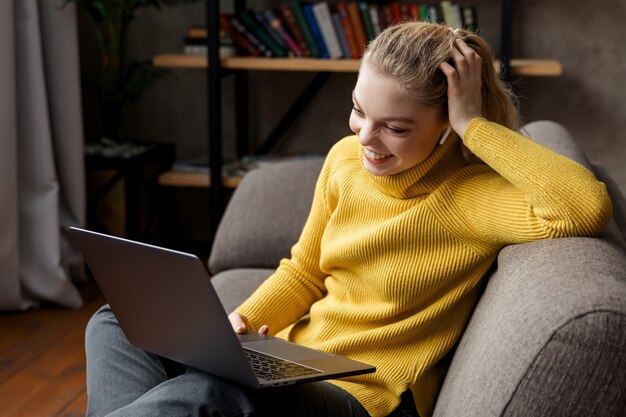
[120, 81]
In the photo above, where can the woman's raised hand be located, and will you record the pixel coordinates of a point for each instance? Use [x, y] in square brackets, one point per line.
[241, 326]
[464, 86]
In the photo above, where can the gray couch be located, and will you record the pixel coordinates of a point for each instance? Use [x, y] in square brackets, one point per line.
[548, 336]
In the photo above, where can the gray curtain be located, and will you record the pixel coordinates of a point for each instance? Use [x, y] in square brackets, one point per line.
[42, 188]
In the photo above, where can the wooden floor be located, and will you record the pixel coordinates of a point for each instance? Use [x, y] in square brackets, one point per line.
[42, 360]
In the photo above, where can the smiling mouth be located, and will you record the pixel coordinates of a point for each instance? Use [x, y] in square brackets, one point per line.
[373, 156]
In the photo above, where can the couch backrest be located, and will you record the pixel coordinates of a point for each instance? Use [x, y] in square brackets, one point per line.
[265, 216]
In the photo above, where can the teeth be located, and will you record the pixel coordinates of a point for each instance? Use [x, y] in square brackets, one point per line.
[374, 155]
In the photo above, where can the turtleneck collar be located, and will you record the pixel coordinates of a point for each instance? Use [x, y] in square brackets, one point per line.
[425, 176]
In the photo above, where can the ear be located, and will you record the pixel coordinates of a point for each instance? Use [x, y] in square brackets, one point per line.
[445, 135]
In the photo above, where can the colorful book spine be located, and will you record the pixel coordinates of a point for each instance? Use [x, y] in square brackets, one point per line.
[470, 21]
[357, 25]
[276, 25]
[249, 20]
[243, 30]
[265, 25]
[348, 30]
[397, 12]
[414, 12]
[374, 17]
[239, 39]
[321, 12]
[446, 11]
[307, 10]
[367, 20]
[292, 25]
[341, 35]
[457, 17]
[298, 12]
[425, 13]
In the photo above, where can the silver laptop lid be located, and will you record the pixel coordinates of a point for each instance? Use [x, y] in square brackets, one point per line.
[165, 303]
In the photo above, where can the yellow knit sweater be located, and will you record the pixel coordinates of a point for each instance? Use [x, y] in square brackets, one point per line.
[387, 269]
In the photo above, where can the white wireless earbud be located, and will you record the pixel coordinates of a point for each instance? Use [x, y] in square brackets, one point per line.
[445, 135]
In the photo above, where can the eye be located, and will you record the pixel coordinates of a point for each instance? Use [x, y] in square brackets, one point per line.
[357, 111]
[395, 130]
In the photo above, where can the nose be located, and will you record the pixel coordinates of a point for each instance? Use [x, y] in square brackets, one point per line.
[366, 134]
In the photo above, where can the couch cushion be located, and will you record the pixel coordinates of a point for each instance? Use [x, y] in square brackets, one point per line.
[528, 317]
[265, 216]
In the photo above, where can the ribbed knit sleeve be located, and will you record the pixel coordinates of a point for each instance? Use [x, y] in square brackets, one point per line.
[537, 193]
[298, 282]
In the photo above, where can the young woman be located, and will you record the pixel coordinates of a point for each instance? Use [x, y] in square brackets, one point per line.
[407, 218]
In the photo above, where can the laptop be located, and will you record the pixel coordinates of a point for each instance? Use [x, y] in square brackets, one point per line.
[166, 304]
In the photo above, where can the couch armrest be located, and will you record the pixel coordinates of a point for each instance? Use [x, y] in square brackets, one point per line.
[540, 297]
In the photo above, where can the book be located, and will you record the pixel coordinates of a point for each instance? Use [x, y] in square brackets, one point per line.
[374, 17]
[405, 13]
[446, 11]
[243, 43]
[259, 15]
[357, 26]
[457, 16]
[198, 46]
[470, 21]
[289, 20]
[296, 9]
[424, 13]
[382, 17]
[435, 14]
[348, 30]
[321, 12]
[341, 35]
[307, 10]
[396, 12]
[243, 30]
[277, 26]
[367, 20]
[250, 21]
[414, 12]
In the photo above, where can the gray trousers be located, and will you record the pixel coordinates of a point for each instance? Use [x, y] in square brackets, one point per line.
[123, 380]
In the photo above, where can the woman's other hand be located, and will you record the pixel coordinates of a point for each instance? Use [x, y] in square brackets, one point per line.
[241, 326]
[464, 86]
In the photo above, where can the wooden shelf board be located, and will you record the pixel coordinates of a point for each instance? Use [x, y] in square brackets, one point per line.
[529, 67]
[291, 64]
[175, 178]
[180, 61]
[536, 67]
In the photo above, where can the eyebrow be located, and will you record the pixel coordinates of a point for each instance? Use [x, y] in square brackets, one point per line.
[407, 120]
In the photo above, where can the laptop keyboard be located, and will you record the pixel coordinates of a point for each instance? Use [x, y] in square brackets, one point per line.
[270, 368]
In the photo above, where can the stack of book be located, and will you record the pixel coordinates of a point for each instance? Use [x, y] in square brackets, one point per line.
[328, 30]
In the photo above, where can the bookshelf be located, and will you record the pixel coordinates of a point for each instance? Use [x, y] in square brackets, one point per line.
[239, 66]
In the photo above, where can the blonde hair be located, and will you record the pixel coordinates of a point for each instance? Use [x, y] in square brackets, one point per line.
[411, 53]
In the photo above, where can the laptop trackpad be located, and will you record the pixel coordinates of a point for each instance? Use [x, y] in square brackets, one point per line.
[283, 349]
